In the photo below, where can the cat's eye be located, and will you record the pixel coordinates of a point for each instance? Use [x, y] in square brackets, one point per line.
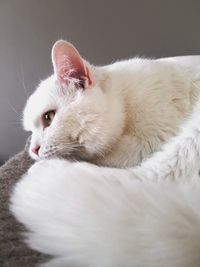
[47, 118]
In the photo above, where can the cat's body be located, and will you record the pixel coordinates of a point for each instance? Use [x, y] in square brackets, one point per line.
[89, 216]
[156, 96]
[147, 216]
[115, 115]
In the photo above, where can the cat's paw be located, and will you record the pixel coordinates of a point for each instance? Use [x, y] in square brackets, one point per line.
[45, 165]
[67, 207]
[52, 200]
[50, 183]
[37, 165]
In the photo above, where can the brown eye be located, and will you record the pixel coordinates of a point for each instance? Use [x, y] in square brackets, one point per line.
[48, 118]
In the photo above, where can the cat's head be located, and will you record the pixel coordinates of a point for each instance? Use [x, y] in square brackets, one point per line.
[72, 113]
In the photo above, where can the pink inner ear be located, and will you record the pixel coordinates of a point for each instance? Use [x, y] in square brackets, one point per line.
[69, 65]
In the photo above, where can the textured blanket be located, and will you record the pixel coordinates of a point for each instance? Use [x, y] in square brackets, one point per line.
[13, 251]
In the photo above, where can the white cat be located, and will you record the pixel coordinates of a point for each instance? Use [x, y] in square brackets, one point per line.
[115, 115]
[147, 216]
[85, 215]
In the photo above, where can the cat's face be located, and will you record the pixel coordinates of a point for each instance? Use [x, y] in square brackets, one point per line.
[70, 113]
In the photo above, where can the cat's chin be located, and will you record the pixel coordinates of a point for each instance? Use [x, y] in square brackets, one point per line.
[33, 156]
[38, 157]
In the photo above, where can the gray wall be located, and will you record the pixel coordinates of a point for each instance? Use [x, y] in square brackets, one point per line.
[102, 30]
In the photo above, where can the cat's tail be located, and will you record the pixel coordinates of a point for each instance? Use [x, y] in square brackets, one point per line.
[84, 218]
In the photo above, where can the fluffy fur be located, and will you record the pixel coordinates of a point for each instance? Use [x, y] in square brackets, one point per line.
[147, 216]
[89, 216]
[115, 115]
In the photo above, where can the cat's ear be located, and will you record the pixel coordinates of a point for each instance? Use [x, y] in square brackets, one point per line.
[70, 66]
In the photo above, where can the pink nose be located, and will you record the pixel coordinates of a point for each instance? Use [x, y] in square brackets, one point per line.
[35, 150]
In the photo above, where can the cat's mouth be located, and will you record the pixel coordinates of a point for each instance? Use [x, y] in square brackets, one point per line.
[70, 151]
[73, 152]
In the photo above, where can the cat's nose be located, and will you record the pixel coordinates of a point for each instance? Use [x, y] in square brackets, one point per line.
[35, 150]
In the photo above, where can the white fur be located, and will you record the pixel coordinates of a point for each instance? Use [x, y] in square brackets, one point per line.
[147, 216]
[129, 111]
[84, 215]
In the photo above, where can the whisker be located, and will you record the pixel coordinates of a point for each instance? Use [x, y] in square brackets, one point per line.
[23, 84]
[63, 149]
[70, 144]
[13, 109]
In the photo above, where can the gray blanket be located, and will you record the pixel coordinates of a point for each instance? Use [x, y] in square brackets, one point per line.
[13, 252]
